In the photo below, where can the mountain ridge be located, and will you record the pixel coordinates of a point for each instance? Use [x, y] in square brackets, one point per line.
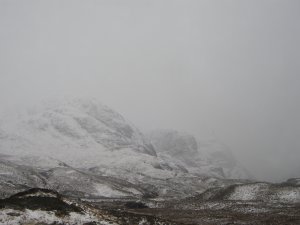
[68, 143]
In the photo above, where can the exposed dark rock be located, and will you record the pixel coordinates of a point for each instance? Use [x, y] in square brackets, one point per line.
[135, 205]
[37, 198]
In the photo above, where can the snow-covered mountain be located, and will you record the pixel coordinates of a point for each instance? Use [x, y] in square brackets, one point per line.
[83, 147]
[209, 157]
[79, 162]
[70, 130]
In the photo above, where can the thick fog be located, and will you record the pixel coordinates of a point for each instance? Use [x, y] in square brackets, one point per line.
[230, 69]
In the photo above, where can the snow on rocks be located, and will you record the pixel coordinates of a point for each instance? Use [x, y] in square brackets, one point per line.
[247, 192]
[13, 217]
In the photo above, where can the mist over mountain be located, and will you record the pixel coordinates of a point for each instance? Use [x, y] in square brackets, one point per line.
[85, 133]
[202, 118]
[197, 155]
[230, 68]
[83, 138]
[83, 149]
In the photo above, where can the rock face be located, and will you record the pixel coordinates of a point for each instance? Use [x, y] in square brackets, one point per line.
[83, 148]
[210, 158]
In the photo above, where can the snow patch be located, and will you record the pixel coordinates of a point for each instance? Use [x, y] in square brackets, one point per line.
[289, 195]
[106, 191]
[246, 192]
[13, 217]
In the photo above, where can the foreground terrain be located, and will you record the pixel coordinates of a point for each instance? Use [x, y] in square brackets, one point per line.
[79, 162]
[223, 212]
[42, 206]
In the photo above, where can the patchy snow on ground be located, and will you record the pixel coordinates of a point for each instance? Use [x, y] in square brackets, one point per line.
[13, 217]
[40, 194]
[106, 191]
[246, 192]
[289, 195]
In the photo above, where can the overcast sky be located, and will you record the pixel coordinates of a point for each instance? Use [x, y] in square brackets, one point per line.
[229, 68]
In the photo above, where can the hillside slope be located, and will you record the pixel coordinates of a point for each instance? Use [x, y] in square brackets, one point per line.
[81, 147]
[209, 157]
